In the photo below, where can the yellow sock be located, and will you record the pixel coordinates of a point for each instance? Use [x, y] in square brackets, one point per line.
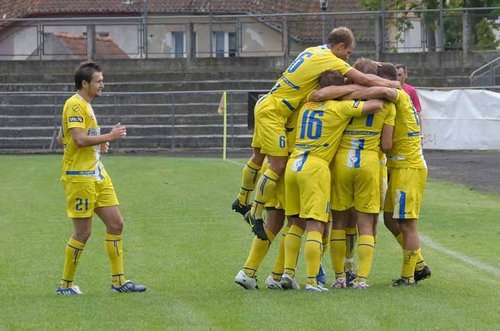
[312, 253]
[113, 246]
[420, 261]
[400, 239]
[337, 251]
[279, 263]
[350, 236]
[366, 248]
[72, 254]
[249, 177]
[266, 189]
[258, 252]
[409, 261]
[292, 247]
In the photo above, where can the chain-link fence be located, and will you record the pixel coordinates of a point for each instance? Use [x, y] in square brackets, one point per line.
[174, 121]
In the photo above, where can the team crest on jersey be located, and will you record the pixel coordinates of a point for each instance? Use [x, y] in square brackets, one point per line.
[75, 119]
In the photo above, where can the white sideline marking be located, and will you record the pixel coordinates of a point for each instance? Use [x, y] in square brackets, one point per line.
[235, 162]
[469, 260]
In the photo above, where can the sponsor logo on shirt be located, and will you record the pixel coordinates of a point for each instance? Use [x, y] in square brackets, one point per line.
[73, 119]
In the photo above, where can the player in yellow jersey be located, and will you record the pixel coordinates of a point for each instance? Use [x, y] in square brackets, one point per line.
[307, 179]
[87, 185]
[273, 110]
[407, 178]
[356, 182]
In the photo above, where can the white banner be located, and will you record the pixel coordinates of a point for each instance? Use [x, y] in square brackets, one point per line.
[460, 119]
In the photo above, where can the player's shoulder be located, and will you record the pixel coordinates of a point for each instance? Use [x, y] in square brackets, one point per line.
[75, 103]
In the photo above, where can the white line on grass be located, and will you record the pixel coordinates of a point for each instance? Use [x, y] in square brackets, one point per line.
[469, 260]
[235, 162]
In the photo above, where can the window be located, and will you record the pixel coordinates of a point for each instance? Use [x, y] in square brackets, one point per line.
[178, 44]
[224, 44]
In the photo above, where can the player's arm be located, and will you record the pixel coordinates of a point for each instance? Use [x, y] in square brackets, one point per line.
[386, 138]
[374, 92]
[332, 92]
[81, 139]
[372, 106]
[370, 80]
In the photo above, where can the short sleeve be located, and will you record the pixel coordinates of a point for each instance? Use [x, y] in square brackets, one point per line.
[75, 116]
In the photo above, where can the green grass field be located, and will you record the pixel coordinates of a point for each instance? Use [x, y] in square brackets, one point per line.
[183, 241]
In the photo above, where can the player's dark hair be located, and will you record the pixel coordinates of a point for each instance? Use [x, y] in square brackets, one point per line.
[85, 72]
[331, 77]
[388, 71]
[366, 66]
[341, 35]
[399, 65]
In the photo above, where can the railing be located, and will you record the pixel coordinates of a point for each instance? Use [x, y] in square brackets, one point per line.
[152, 36]
[30, 121]
[486, 74]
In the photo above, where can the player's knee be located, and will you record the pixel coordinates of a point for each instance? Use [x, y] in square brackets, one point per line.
[82, 235]
[278, 166]
[116, 226]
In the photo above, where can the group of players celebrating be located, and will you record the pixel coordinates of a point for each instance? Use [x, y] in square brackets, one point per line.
[326, 136]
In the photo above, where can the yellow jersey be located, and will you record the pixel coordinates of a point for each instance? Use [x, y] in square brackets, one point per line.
[301, 77]
[320, 126]
[80, 164]
[406, 149]
[363, 133]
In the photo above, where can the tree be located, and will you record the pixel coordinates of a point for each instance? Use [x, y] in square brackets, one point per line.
[482, 33]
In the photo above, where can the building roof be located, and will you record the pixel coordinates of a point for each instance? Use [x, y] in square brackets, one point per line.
[76, 44]
[62, 8]
[27, 8]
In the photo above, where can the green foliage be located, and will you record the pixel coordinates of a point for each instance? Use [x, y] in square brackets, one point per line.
[183, 241]
[485, 37]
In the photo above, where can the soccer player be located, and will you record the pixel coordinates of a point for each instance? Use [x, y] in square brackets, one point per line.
[412, 92]
[87, 185]
[407, 178]
[273, 110]
[307, 178]
[356, 182]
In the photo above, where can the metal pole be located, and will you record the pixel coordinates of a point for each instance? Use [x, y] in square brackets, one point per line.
[441, 27]
[90, 42]
[382, 28]
[465, 34]
[210, 28]
[145, 30]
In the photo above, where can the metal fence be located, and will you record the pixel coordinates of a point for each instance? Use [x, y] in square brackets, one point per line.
[151, 36]
[174, 121]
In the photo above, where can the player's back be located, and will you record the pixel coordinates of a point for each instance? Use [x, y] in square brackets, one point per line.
[320, 126]
[406, 149]
[301, 77]
[363, 133]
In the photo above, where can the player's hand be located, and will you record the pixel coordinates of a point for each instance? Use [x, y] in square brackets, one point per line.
[105, 147]
[396, 84]
[118, 131]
